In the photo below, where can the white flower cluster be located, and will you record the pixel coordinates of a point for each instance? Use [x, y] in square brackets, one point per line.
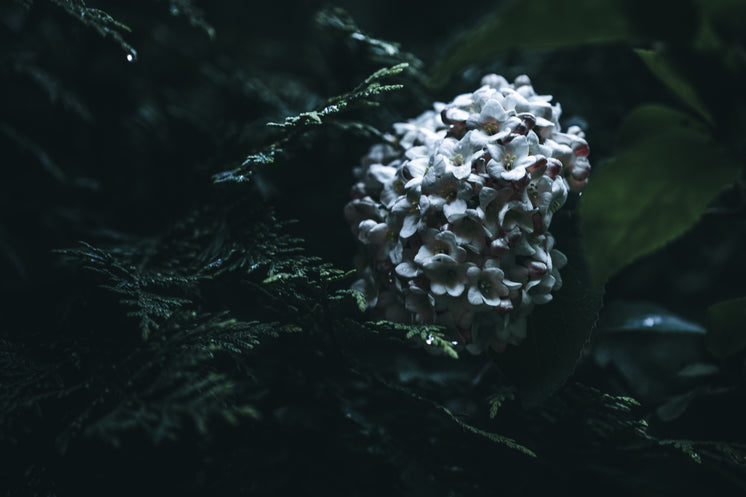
[454, 223]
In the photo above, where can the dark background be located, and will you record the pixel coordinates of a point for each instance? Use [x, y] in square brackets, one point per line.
[117, 154]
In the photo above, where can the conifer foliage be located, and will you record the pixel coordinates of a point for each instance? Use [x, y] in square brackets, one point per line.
[177, 279]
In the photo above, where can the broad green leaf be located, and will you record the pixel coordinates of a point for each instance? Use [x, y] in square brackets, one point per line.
[653, 191]
[557, 331]
[536, 24]
[726, 333]
[664, 70]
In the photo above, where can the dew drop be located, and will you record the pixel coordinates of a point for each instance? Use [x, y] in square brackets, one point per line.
[130, 57]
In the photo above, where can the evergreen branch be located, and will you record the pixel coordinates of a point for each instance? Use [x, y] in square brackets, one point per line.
[26, 4]
[157, 277]
[26, 143]
[194, 15]
[162, 409]
[497, 399]
[608, 417]
[294, 126]
[210, 243]
[361, 95]
[103, 23]
[53, 86]
[143, 292]
[162, 385]
[444, 411]
[431, 335]
[338, 20]
[221, 333]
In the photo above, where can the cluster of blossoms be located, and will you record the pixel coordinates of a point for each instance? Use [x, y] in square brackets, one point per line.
[453, 222]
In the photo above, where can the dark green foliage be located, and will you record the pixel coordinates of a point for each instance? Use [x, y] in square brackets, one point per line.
[103, 23]
[540, 24]
[661, 67]
[670, 200]
[430, 334]
[168, 329]
[144, 293]
[194, 15]
[294, 127]
[335, 19]
[726, 333]
[559, 330]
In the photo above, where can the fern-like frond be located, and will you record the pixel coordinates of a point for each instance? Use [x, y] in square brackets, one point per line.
[362, 95]
[153, 298]
[193, 14]
[100, 21]
[385, 52]
[431, 335]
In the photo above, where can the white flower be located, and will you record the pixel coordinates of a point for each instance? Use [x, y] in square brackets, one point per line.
[420, 302]
[439, 242]
[453, 227]
[486, 286]
[508, 162]
[445, 191]
[424, 130]
[446, 275]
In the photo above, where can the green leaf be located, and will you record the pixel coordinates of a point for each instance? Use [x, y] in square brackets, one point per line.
[726, 333]
[557, 331]
[653, 191]
[536, 24]
[664, 70]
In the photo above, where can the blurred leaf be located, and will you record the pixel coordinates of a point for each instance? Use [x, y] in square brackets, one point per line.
[727, 16]
[557, 333]
[622, 316]
[726, 333]
[193, 14]
[655, 189]
[654, 351]
[536, 24]
[677, 405]
[381, 51]
[665, 70]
